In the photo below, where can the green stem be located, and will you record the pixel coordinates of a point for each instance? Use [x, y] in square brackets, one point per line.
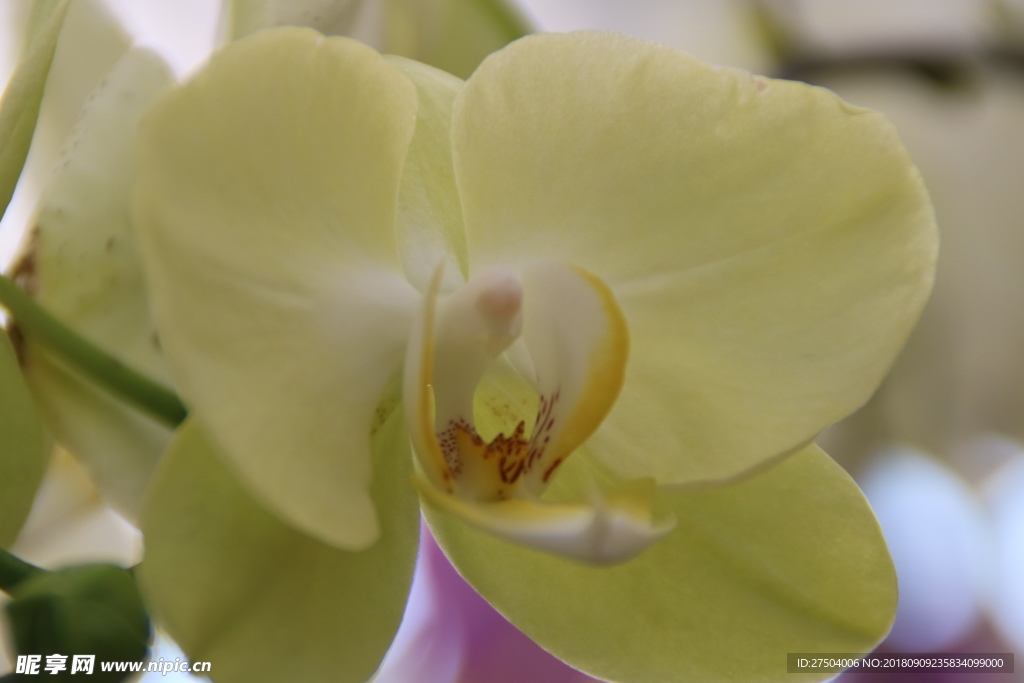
[507, 17]
[948, 68]
[13, 571]
[88, 358]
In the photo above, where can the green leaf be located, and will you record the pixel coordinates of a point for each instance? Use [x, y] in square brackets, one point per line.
[791, 560]
[92, 609]
[19, 108]
[24, 448]
[235, 586]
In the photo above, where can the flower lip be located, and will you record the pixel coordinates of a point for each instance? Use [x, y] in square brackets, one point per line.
[450, 349]
[577, 342]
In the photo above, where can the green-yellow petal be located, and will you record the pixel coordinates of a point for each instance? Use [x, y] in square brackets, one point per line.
[91, 41]
[791, 560]
[262, 602]
[24, 448]
[84, 269]
[430, 228]
[19, 108]
[770, 245]
[266, 215]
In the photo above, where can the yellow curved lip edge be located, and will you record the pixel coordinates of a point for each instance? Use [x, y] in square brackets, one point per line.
[422, 434]
[606, 373]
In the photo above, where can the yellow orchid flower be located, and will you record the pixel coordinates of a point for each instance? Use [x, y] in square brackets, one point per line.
[612, 273]
[79, 262]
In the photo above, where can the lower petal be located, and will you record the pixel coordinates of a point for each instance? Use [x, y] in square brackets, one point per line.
[789, 561]
[262, 602]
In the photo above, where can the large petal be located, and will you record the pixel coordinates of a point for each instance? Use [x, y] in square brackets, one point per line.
[789, 561]
[770, 245]
[266, 212]
[262, 602]
[83, 267]
[24, 448]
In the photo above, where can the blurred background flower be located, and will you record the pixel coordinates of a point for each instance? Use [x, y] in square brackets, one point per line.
[938, 450]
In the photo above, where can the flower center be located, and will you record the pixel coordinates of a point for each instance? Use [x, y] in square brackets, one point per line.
[569, 340]
[572, 344]
[475, 325]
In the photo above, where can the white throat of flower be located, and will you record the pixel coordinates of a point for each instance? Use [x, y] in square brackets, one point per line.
[572, 343]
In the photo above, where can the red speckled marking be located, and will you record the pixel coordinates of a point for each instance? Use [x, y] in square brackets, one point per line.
[542, 431]
[551, 470]
[513, 455]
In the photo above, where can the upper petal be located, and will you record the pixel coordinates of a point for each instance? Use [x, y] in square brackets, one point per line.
[770, 245]
[266, 209]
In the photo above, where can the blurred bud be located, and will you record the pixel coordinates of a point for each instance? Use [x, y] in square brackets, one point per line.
[937, 534]
[87, 610]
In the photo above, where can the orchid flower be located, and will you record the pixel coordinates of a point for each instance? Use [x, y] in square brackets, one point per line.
[595, 275]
